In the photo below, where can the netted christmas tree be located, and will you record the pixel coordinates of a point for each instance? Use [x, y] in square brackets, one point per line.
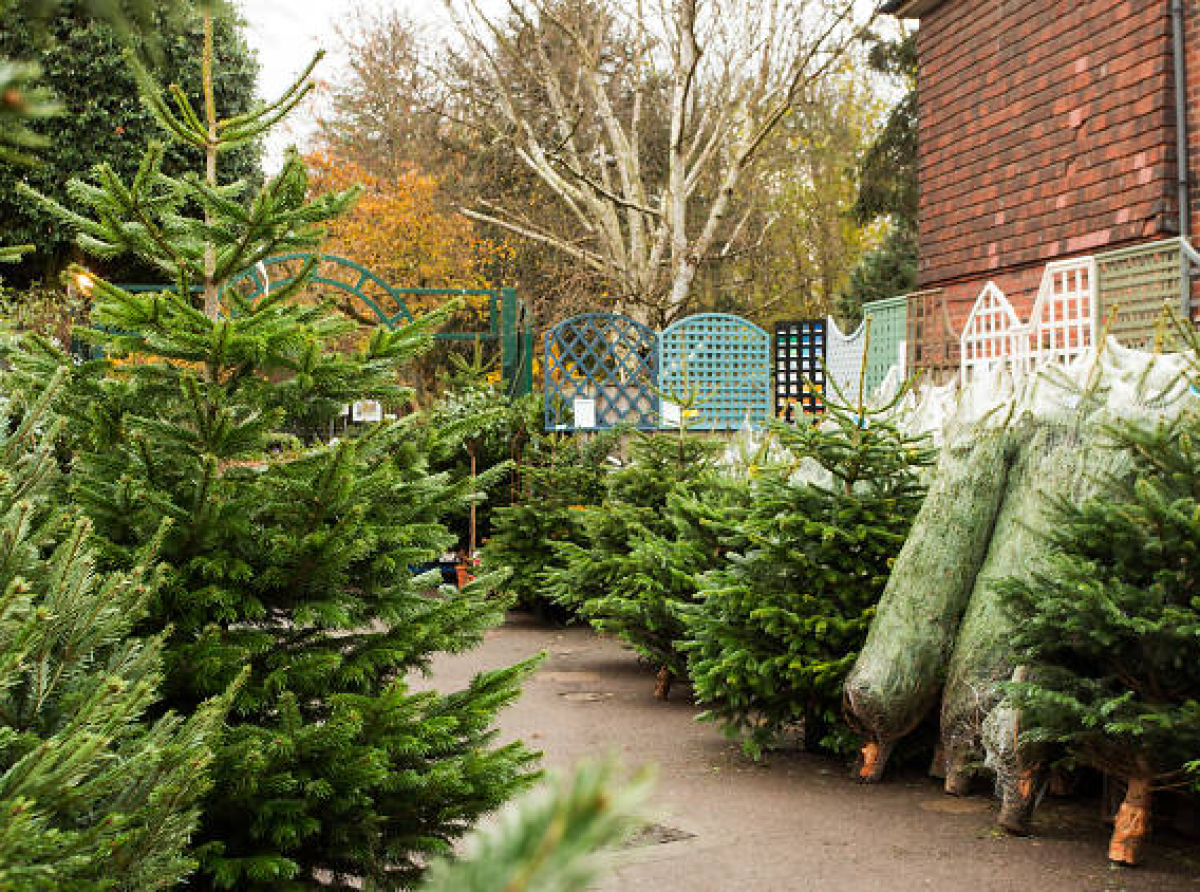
[285, 557]
[93, 794]
[1110, 624]
[781, 623]
[622, 578]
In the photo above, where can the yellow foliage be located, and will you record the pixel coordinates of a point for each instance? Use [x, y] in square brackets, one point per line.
[404, 230]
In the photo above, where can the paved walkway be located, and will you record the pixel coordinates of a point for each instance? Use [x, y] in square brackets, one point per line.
[729, 825]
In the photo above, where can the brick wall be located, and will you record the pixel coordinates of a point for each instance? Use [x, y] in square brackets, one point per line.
[1046, 130]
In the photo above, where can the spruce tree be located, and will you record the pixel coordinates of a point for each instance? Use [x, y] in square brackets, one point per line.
[558, 476]
[623, 578]
[93, 795]
[287, 558]
[1110, 624]
[780, 624]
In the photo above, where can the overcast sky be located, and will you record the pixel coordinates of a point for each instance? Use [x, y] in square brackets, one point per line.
[286, 33]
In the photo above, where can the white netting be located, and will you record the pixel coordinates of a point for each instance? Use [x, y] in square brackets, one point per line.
[844, 361]
[1115, 381]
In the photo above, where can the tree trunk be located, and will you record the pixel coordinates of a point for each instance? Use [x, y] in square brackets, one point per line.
[872, 759]
[1132, 823]
[1019, 801]
[662, 684]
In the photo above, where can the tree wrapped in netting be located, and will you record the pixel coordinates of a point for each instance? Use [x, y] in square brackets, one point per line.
[558, 476]
[899, 673]
[781, 621]
[286, 558]
[1109, 623]
[1055, 458]
[94, 792]
[625, 578]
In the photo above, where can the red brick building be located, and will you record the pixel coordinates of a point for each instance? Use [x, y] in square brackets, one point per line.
[1047, 131]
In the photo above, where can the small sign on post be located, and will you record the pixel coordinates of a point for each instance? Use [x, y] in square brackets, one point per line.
[672, 416]
[366, 410]
[585, 413]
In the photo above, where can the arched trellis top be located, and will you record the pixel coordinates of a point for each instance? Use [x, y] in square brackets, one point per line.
[332, 271]
[600, 371]
[508, 320]
[720, 363]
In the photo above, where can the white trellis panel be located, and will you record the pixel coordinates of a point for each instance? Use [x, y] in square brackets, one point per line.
[844, 361]
[1064, 320]
[993, 334]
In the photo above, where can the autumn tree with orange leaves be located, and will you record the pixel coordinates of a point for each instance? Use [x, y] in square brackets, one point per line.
[404, 228]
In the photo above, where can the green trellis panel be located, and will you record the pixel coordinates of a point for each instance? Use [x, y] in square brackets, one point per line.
[1137, 283]
[724, 363]
[889, 324]
[608, 359]
[509, 320]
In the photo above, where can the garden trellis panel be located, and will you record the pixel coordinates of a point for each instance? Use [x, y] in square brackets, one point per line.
[799, 367]
[844, 361]
[1063, 323]
[1134, 286]
[889, 328]
[723, 364]
[993, 334]
[603, 367]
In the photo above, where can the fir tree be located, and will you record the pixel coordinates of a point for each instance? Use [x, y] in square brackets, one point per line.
[1110, 624]
[622, 578]
[287, 559]
[555, 840]
[781, 623]
[92, 795]
[559, 475]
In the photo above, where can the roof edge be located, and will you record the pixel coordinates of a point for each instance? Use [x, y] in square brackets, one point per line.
[909, 9]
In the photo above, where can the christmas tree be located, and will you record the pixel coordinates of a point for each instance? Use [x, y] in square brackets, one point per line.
[624, 578]
[1110, 624]
[286, 558]
[558, 476]
[781, 623]
[93, 795]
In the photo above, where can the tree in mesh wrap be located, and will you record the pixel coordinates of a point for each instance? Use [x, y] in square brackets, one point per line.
[899, 673]
[1054, 459]
[1046, 460]
[1109, 623]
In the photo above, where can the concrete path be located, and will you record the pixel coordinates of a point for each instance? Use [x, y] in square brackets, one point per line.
[729, 825]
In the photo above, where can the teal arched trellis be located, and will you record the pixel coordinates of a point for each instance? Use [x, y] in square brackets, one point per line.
[508, 320]
[606, 359]
[384, 301]
[720, 363]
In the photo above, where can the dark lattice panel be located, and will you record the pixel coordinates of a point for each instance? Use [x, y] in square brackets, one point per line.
[605, 357]
[799, 367]
[722, 365]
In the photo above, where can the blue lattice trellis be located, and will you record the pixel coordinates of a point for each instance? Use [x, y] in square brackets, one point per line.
[799, 367]
[725, 361]
[604, 357]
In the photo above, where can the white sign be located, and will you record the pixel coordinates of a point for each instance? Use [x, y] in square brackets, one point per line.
[585, 413]
[366, 410]
[672, 416]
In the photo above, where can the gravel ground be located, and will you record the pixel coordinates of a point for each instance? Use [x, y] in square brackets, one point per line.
[729, 825]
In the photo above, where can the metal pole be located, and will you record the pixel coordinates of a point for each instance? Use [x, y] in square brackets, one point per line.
[1181, 152]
